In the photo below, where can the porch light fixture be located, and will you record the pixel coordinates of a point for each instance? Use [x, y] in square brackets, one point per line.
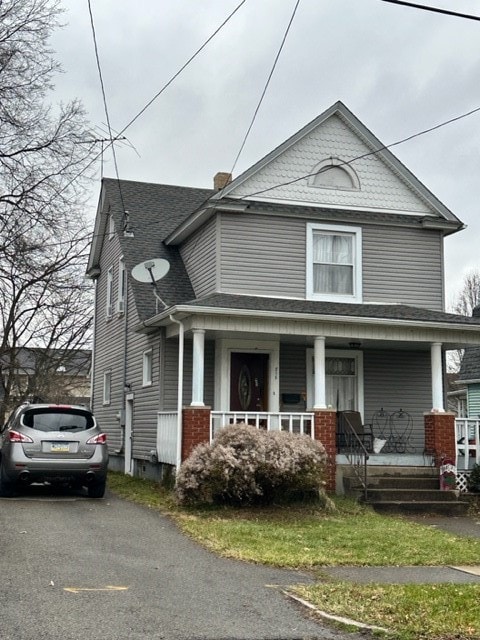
[354, 345]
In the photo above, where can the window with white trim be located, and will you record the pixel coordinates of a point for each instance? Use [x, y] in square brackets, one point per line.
[334, 263]
[109, 303]
[343, 379]
[107, 387]
[122, 281]
[111, 227]
[147, 368]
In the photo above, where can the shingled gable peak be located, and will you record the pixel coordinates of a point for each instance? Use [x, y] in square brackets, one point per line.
[335, 161]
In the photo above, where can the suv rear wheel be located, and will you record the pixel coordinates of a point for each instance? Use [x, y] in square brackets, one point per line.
[6, 486]
[97, 489]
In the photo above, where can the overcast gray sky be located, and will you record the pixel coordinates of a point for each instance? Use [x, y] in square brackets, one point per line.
[400, 70]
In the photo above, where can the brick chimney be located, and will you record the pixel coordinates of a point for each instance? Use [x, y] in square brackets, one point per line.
[221, 179]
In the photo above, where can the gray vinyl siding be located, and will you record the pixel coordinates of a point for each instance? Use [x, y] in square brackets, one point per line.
[146, 398]
[396, 380]
[171, 374]
[199, 257]
[265, 255]
[403, 265]
[292, 375]
[262, 255]
[109, 349]
[473, 400]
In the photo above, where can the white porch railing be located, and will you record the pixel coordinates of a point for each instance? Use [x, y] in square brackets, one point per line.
[467, 437]
[167, 433]
[293, 422]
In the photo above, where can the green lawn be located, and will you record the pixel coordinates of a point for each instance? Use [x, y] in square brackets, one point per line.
[310, 538]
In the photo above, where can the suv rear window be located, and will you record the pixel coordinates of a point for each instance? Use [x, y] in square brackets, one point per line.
[58, 419]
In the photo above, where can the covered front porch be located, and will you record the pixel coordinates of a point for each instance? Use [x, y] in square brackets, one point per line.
[295, 370]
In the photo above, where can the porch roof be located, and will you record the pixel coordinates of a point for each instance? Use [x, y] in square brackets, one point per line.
[288, 306]
[372, 322]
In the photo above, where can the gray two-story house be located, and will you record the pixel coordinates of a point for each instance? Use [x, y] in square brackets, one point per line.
[310, 284]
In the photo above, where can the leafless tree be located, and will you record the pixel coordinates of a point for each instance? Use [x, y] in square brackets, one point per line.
[46, 153]
[469, 295]
[466, 300]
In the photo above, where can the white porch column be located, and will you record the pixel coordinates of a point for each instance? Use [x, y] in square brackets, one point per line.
[198, 367]
[319, 363]
[437, 377]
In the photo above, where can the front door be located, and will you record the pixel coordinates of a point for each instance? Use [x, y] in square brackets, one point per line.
[249, 382]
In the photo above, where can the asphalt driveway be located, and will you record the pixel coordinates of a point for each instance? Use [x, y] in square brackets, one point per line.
[74, 569]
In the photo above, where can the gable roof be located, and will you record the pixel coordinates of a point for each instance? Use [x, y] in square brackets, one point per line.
[470, 367]
[154, 210]
[374, 150]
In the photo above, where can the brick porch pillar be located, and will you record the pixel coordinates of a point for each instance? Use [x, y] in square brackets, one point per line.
[440, 436]
[325, 422]
[195, 428]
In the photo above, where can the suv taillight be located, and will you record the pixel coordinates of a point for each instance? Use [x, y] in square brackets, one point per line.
[100, 439]
[15, 436]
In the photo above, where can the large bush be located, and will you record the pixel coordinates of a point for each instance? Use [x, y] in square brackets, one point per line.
[245, 465]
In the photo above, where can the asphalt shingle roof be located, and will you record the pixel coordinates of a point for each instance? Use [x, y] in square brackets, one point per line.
[155, 210]
[381, 311]
[470, 367]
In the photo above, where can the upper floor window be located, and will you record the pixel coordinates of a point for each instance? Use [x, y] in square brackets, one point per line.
[122, 281]
[109, 302]
[111, 227]
[333, 173]
[147, 367]
[334, 263]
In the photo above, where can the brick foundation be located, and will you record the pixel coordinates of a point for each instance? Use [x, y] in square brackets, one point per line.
[325, 432]
[195, 428]
[440, 436]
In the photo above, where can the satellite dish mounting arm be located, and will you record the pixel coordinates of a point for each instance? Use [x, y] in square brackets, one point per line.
[149, 265]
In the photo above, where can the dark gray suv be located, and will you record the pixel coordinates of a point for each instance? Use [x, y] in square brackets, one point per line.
[53, 443]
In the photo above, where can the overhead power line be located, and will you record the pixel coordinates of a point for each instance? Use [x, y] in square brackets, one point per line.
[104, 97]
[167, 84]
[414, 5]
[266, 85]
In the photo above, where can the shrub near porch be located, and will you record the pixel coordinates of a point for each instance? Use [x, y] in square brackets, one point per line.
[245, 465]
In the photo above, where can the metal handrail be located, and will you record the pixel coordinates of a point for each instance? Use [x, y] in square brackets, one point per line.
[356, 454]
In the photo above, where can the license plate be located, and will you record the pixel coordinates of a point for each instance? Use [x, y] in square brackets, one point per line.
[59, 448]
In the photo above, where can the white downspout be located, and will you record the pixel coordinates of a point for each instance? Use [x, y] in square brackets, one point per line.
[181, 334]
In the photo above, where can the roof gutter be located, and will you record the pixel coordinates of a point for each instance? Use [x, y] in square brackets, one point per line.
[162, 318]
[198, 218]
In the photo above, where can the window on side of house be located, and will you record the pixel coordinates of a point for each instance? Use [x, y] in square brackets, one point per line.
[147, 368]
[334, 263]
[122, 280]
[109, 303]
[111, 227]
[107, 387]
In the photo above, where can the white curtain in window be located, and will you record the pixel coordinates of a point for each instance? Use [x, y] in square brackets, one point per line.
[333, 263]
[341, 392]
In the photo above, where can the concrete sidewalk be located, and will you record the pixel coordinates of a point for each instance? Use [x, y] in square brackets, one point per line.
[460, 526]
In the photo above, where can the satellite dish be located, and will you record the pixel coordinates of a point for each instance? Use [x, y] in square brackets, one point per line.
[151, 270]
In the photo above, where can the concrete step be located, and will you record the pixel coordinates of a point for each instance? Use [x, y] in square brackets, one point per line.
[404, 482]
[386, 494]
[446, 508]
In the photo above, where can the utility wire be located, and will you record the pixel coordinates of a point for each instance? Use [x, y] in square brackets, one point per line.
[182, 68]
[192, 57]
[266, 86]
[414, 5]
[104, 97]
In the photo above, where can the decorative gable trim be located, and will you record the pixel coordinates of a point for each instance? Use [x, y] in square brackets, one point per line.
[364, 134]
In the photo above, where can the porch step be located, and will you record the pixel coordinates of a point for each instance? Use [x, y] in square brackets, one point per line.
[448, 508]
[399, 491]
